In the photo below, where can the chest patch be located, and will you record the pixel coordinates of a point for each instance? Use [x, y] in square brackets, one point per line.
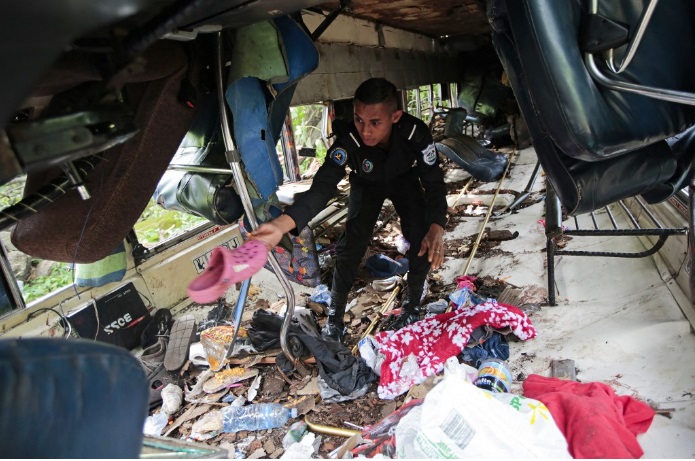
[429, 155]
[339, 156]
[367, 166]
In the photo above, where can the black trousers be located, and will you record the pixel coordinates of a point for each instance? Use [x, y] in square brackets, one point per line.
[364, 206]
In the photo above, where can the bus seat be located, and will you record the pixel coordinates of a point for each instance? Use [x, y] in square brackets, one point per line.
[71, 229]
[467, 153]
[257, 123]
[70, 398]
[287, 51]
[209, 195]
[599, 145]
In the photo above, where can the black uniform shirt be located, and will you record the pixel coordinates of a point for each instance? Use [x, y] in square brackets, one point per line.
[411, 147]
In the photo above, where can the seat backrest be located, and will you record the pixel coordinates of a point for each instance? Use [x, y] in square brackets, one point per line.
[598, 145]
[70, 398]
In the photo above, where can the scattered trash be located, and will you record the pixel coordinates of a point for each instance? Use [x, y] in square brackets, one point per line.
[460, 297]
[227, 378]
[197, 355]
[380, 265]
[494, 376]
[253, 388]
[437, 307]
[459, 420]
[306, 448]
[172, 398]
[402, 245]
[216, 342]
[321, 295]
[294, 433]
[155, 424]
[369, 350]
[328, 394]
[387, 284]
[208, 426]
[256, 416]
[379, 440]
[241, 446]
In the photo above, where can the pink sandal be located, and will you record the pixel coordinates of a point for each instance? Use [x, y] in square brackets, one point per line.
[227, 267]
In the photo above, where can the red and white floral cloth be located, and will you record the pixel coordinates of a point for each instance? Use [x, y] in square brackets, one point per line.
[430, 342]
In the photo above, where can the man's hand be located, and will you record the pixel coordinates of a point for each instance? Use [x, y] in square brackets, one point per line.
[271, 232]
[433, 245]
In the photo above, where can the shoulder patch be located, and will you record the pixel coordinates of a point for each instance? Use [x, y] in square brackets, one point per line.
[367, 166]
[339, 156]
[429, 155]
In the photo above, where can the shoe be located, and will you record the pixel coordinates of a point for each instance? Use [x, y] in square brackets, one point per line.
[227, 267]
[158, 377]
[405, 318]
[180, 340]
[159, 326]
[333, 331]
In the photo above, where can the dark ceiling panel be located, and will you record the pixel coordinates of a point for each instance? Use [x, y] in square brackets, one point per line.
[431, 17]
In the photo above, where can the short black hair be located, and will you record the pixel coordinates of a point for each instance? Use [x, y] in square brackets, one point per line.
[377, 90]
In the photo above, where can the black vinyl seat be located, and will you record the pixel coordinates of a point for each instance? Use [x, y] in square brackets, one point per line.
[599, 145]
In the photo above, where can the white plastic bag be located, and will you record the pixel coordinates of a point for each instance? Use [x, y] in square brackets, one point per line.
[369, 350]
[460, 420]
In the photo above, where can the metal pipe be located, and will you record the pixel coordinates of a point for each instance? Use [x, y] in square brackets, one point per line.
[199, 169]
[634, 43]
[418, 103]
[526, 192]
[487, 217]
[463, 191]
[235, 162]
[76, 180]
[238, 310]
[681, 97]
[648, 212]
[330, 430]
[289, 150]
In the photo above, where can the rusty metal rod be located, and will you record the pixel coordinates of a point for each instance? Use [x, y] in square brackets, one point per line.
[330, 430]
[487, 218]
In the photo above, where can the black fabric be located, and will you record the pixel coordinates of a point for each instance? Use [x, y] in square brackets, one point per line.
[70, 399]
[264, 333]
[340, 369]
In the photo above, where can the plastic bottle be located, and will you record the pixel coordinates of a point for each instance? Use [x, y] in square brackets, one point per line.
[494, 376]
[256, 417]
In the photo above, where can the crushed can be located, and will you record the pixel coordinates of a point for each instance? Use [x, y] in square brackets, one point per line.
[494, 376]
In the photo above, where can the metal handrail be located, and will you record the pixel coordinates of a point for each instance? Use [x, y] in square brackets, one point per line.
[681, 97]
[235, 163]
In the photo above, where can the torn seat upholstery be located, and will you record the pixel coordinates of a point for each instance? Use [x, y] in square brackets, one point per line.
[84, 231]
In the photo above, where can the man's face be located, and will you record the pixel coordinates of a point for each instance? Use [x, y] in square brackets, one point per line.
[375, 121]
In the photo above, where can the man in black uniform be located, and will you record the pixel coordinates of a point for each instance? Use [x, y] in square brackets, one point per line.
[391, 155]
